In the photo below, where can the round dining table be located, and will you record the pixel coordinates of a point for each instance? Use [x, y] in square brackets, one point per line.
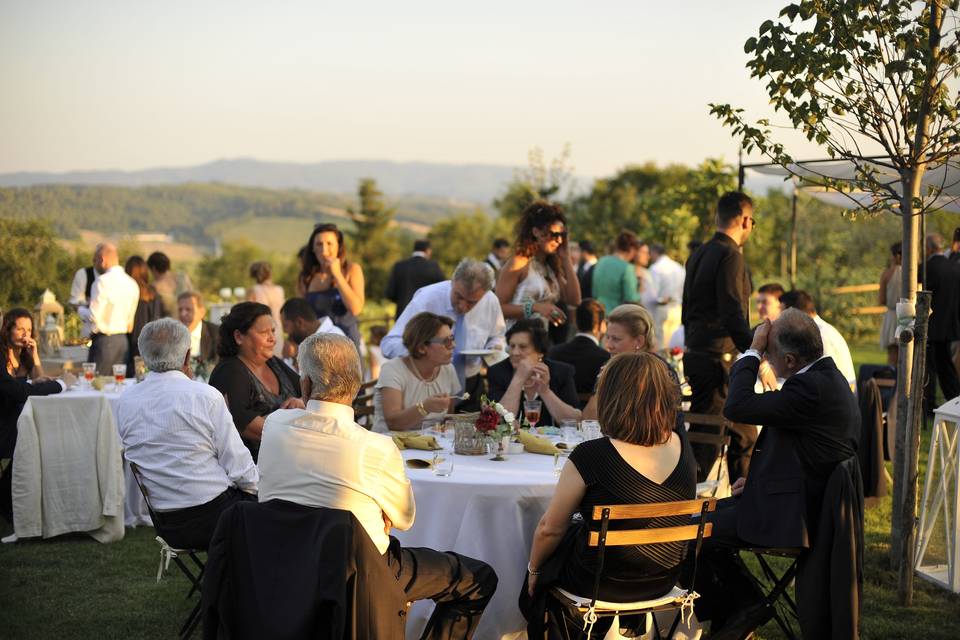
[486, 510]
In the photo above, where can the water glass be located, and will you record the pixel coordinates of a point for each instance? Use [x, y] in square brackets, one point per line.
[590, 429]
[570, 436]
[119, 375]
[442, 463]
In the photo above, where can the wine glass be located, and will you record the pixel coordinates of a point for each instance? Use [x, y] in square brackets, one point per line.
[89, 373]
[531, 409]
[119, 375]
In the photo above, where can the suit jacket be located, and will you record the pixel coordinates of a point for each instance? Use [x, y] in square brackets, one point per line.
[209, 341]
[283, 570]
[585, 277]
[13, 395]
[716, 298]
[409, 275]
[943, 281]
[586, 357]
[561, 383]
[809, 427]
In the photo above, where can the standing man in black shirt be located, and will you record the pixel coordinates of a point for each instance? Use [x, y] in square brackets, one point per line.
[411, 274]
[716, 311]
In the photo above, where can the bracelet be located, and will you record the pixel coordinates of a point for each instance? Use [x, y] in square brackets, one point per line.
[527, 308]
[422, 409]
[531, 571]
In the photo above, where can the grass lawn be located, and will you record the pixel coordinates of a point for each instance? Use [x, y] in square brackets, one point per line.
[73, 587]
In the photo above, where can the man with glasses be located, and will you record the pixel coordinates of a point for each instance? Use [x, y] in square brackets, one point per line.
[715, 316]
[469, 300]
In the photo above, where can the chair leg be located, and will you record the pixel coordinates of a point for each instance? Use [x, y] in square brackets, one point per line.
[778, 594]
[190, 624]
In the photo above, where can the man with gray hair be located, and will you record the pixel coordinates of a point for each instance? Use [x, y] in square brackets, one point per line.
[809, 427]
[181, 436]
[320, 457]
[469, 300]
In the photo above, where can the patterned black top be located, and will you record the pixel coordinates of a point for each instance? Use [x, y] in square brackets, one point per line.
[629, 571]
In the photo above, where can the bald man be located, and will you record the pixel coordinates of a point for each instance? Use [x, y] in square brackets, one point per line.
[113, 302]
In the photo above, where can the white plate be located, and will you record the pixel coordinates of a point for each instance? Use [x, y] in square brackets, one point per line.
[477, 352]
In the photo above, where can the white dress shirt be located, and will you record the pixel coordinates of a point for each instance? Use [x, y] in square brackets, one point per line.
[319, 457]
[327, 326]
[485, 324]
[113, 303]
[668, 276]
[196, 336]
[181, 435]
[78, 296]
[836, 347]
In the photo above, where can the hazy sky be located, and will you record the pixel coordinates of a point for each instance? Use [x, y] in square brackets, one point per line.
[131, 84]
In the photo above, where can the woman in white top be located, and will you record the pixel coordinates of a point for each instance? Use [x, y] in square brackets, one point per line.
[539, 281]
[417, 388]
[265, 292]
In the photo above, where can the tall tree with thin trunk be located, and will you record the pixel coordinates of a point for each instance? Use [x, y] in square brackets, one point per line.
[870, 81]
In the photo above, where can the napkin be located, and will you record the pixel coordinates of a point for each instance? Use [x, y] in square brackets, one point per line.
[536, 444]
[413, 440]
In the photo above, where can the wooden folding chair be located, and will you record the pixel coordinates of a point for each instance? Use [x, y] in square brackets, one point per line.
[363, 410]
[678, 599]
[776, 587]
[720, 439]
[167, 553]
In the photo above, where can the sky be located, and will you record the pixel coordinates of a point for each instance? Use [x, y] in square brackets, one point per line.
[132, 84]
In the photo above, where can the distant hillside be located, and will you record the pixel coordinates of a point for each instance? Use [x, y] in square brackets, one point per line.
[471, 182]
[196, 213]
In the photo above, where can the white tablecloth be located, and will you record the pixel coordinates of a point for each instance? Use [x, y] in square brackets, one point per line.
[134, 508]
[486, 510]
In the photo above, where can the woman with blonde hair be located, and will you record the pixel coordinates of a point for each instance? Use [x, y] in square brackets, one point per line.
[629, 330]
[640, 460]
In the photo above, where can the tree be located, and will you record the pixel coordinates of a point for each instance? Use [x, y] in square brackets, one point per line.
[32, 260]
[536, 182]
[374, 247]
[229, 269]
[465, 236]
[860, 77]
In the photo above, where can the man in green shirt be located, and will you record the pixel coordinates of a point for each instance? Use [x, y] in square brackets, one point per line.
[614, 276]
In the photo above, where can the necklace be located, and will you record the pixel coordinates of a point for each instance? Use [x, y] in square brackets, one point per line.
[412, 365]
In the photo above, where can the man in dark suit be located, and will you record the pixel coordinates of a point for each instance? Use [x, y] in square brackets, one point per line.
[204, 335]
[13, 395]
[408, 275]
[715, 317]
[588, 258]
[809, 427]
[943, 281]
[584, 351]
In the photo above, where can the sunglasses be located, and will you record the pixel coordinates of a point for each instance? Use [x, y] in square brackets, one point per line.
[449, 341]
[557, 235]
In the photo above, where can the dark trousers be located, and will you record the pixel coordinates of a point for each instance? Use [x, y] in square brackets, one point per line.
[460, 586]
[709, 376]
[940, 367]
[192, 528]
[722, 580]
[107, 351]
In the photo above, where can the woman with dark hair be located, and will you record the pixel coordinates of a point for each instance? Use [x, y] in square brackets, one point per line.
[149, 308]
[18, 340]
[527, 375]
[539, 281]
[641, 460]
[253, 381]
[331, 284]
[417, 388]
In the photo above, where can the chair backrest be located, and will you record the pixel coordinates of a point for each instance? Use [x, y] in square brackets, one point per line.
[651, 535]
[363, 410]
[143, 489]
[721, 424]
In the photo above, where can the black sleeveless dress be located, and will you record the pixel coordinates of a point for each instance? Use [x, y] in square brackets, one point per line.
[630, 572]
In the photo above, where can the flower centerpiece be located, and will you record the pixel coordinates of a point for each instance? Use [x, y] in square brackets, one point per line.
[495, 423]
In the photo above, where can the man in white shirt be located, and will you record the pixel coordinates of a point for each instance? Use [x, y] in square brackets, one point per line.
[320, 457]
[113, 303]
[469, 301]
[834, 344]
[182, 437]
[668, 276]
[300, 321]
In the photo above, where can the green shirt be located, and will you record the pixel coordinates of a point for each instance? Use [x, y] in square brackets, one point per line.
[614, 282]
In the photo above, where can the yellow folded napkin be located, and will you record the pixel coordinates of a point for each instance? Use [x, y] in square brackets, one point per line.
[536, 444]
[413, 440]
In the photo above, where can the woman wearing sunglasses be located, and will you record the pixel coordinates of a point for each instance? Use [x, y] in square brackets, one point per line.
[416, 389]
[539, 281]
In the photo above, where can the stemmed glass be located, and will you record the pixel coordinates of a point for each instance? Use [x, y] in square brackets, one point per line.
[531, 410]
[119, 375]
[89, 373]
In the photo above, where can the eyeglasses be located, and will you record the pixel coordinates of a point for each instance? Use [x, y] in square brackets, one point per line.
[557, 235]
[448, 342]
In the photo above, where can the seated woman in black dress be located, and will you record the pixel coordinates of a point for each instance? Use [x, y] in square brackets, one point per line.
[641, 460]
[18, 346]
[527, 375]
[254, 382]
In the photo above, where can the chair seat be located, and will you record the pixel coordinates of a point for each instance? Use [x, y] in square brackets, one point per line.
[670, 598]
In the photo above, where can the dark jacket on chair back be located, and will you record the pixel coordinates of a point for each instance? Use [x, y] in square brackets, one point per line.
[282, 570]
[809, 427]
[586, 357]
